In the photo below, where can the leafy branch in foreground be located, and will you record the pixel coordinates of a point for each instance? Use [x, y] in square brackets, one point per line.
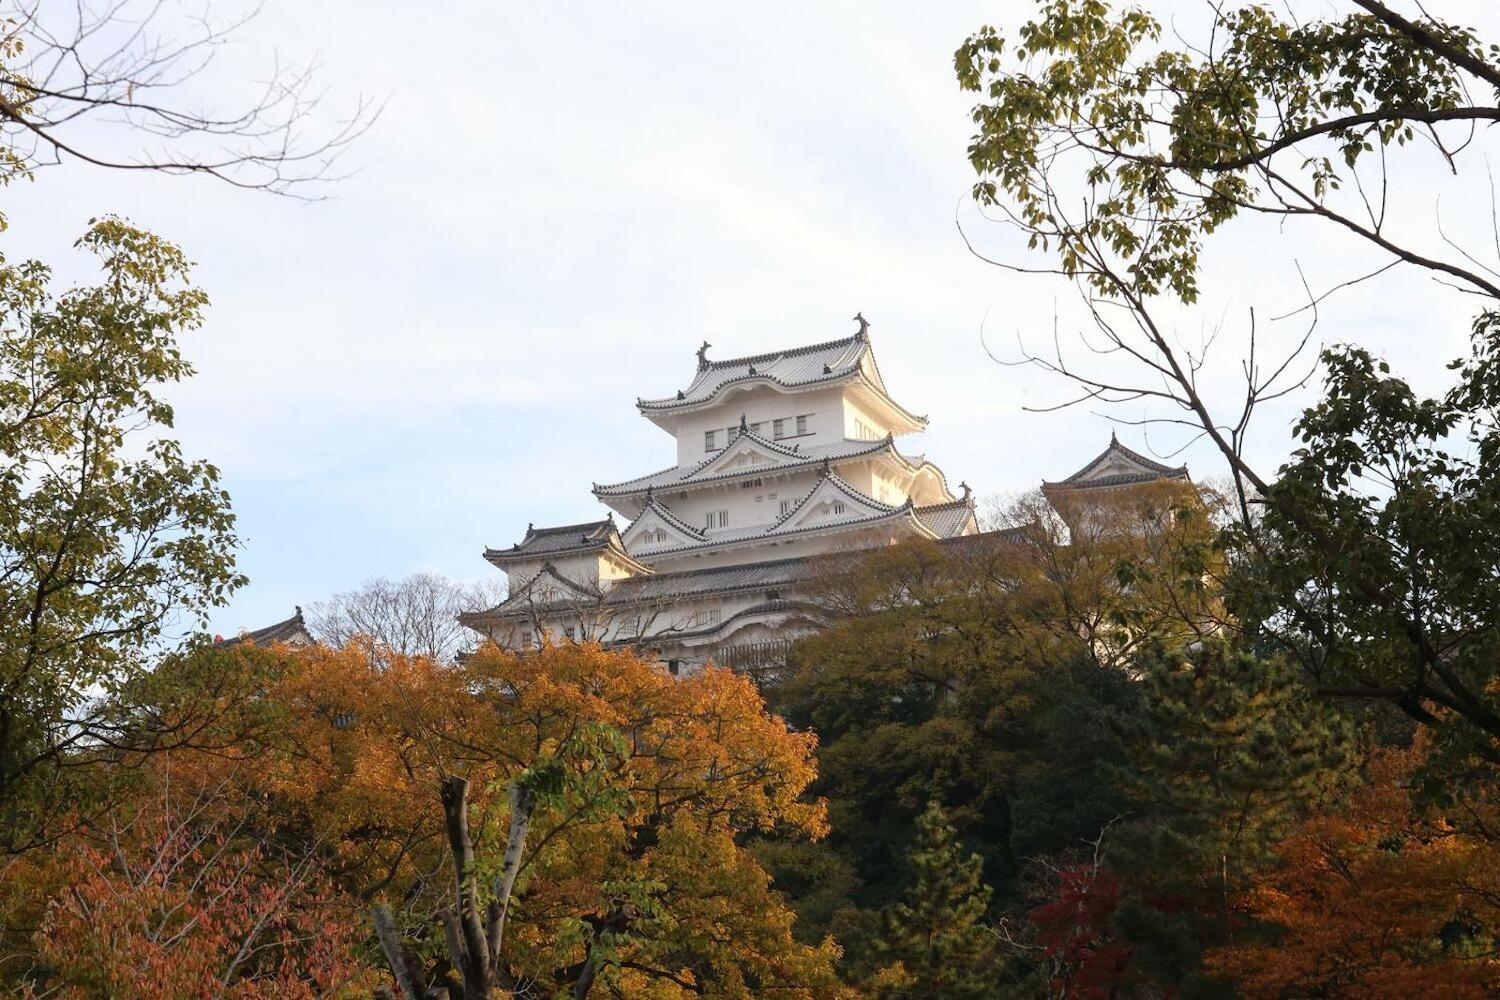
[108, 533]
[1120, 154]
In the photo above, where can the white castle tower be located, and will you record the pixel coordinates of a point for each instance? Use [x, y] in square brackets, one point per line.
[779, 457]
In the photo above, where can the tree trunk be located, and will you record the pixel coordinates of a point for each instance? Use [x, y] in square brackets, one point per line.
[522, 803]
[474, 963]
[395, 953]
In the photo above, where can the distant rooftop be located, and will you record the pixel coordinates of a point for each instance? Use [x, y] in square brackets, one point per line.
[1117, 465]
[293, 631]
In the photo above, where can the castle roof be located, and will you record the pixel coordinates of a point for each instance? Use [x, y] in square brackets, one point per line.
[564, 540]
[794, 369]
[1116, 465]
[792, 457]
[947, 520]
[293, 631]
[773, 575]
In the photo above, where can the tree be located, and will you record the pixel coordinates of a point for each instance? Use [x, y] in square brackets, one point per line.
[936, 941]
[76, 80]
[985, 674]
[1225, 754]
[1122, 156]
[570, 820]
[1380, 897]
[109, 535]
[1083, 955]
[177, 891]
[414, 616]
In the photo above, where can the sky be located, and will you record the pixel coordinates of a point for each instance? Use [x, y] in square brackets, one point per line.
[558, 203]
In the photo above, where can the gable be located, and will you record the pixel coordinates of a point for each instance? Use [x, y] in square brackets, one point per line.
[658, 528]
[744, 453]
[832, 501]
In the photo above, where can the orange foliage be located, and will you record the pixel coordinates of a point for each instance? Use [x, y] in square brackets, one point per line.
[174, 896]
[247, 865]
[663, 776]
[1378, 900]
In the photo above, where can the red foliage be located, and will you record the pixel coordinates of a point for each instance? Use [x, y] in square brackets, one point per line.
[1075, 934]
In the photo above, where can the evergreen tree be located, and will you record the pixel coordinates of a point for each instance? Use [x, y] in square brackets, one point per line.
[936, 943]
[1228, 752]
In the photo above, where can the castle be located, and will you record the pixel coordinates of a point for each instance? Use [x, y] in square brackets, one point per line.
[781, 457]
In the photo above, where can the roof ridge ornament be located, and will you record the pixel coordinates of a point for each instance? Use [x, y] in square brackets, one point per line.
[703, 355]
[744, 426]
[827, 466]
[864, 325]
[968, 497]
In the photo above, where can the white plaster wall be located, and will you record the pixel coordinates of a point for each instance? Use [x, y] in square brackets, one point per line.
[750, 505]
[824, 408]
[854, 415]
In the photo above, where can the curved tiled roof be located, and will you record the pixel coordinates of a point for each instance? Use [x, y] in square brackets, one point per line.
[947, 520]
[843, 486]
[764, 608]
[1145, 470]
[693, 475]
[664, 512]
[797, 368]
[563, 540]
[774, 574]
[792, 370]
[761, 532]
[292, 631]
[521, 598]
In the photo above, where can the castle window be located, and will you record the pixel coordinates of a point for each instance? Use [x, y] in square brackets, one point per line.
[709, 438]
[778, 429]
[716, 519]
[732, 432]
[802, 423]
[755, 427]
[838, 506]
[746, 484]
[786, 506]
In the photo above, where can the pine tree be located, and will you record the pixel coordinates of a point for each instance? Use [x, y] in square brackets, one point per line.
[1229, 752]
[936, 943]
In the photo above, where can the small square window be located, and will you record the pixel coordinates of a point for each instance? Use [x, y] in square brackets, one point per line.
[786, 506]
[710, 440]
[838, 506]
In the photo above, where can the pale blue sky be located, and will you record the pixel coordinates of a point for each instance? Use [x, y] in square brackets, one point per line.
[559, 203]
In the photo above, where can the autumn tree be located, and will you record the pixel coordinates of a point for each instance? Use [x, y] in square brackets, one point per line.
[935, 942]
[570, 820]
[1382, 896]
[1122, 154]
[182, 886]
